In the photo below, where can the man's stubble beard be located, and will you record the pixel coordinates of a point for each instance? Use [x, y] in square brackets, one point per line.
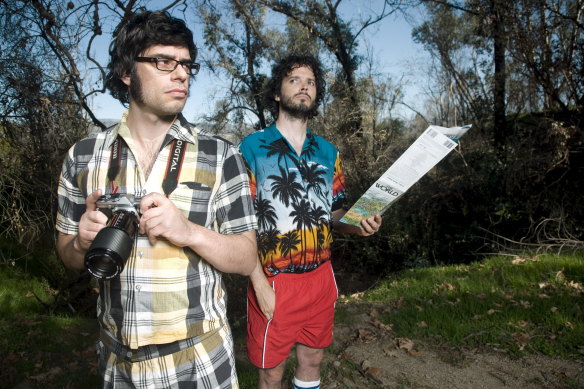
[297, 111]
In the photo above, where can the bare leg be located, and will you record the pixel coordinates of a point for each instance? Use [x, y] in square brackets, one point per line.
[271, 378]
[309, 360]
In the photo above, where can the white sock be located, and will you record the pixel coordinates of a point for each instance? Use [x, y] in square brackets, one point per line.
[306, 385]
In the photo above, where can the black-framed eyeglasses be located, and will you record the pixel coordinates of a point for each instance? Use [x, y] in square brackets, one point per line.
[169, 64]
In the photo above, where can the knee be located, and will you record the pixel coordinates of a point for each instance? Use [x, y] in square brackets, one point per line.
[271, 377]
[310, 358]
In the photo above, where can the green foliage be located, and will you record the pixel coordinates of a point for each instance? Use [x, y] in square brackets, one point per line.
[476, 202]
[39, 261]
[247, 374]
[64, 291]
[18, 291]
[29, 342]
[31, 154]
[522, 305]
[29, 337]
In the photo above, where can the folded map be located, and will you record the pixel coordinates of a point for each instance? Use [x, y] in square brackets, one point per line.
[428, 149]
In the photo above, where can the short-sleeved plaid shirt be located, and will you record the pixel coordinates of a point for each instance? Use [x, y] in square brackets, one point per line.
[165, 293]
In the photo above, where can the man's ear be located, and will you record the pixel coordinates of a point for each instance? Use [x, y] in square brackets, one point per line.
[126, 79]
[277, 97]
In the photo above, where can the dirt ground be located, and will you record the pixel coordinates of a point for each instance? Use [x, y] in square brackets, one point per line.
[366, 354]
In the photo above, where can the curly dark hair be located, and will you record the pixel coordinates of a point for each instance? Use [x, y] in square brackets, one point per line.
[136, 35]
[282, 69]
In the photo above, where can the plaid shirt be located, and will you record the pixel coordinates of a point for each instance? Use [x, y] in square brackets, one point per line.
[165, 293]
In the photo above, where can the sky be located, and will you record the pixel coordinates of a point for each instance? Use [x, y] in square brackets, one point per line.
[390, 42]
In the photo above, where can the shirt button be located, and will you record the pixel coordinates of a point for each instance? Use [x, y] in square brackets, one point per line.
[138, 287]
[129, 354]
[144, 191]
[140, 254]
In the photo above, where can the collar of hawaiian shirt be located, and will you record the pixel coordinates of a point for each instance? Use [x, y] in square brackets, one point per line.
[273, 134]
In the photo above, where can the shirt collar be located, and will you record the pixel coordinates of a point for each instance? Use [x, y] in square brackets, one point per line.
[273, 134]
[179, 129]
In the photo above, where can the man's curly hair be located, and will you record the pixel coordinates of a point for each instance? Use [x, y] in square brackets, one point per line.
[282, 69]
[136, 35]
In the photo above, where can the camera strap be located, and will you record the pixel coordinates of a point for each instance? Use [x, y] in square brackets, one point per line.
[115, 163]
[173, 167]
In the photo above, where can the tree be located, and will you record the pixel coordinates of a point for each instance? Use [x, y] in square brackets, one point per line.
[234, 32]
[522, 56]
[48, 74]
[547, 43]
[463, 67]
[242, 47]
[536, 50]
[40, 118]
[323, 20]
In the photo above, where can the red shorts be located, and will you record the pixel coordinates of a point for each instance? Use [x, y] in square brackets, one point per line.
[304, 313]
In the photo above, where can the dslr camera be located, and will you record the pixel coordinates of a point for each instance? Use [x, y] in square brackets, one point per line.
[113, 244]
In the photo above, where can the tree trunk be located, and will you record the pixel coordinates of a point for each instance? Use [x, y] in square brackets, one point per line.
[499, 91]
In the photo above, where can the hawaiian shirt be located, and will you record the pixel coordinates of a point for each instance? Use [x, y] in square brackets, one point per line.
[164, 293]
[294, 197]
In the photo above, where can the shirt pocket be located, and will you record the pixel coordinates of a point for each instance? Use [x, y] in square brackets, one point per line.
[195, 204]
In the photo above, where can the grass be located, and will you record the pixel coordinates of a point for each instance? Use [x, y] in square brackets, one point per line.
[17, 292]
[44, 350]
[517, 305]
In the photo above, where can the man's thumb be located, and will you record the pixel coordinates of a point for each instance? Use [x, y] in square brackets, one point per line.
[91, 201]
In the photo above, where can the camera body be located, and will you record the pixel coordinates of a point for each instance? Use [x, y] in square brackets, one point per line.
[113, 244]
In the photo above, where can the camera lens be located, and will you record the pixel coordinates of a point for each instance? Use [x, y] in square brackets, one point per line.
[104, 264]
[112, 246]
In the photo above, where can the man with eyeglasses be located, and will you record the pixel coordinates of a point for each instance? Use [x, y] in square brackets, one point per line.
[163, 319]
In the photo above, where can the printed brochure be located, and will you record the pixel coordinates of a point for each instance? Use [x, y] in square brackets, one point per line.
[430, 148]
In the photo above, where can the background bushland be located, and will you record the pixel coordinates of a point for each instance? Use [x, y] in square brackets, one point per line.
[512, 69]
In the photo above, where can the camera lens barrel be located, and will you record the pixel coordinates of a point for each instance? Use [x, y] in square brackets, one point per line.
[112, 245]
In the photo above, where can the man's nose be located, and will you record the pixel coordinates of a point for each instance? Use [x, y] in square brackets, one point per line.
[180, 73]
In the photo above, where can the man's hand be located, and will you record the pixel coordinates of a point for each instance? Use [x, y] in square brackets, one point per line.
[370, 226]
[266, 300]
[263, 290]
[162, 219]
[72, 248]
[229, 253]
[90, 223]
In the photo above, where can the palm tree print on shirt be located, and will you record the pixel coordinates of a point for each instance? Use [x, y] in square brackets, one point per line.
[285, 187]
[268, 244]
[289, 243]
[265, 213]
[301, 188]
